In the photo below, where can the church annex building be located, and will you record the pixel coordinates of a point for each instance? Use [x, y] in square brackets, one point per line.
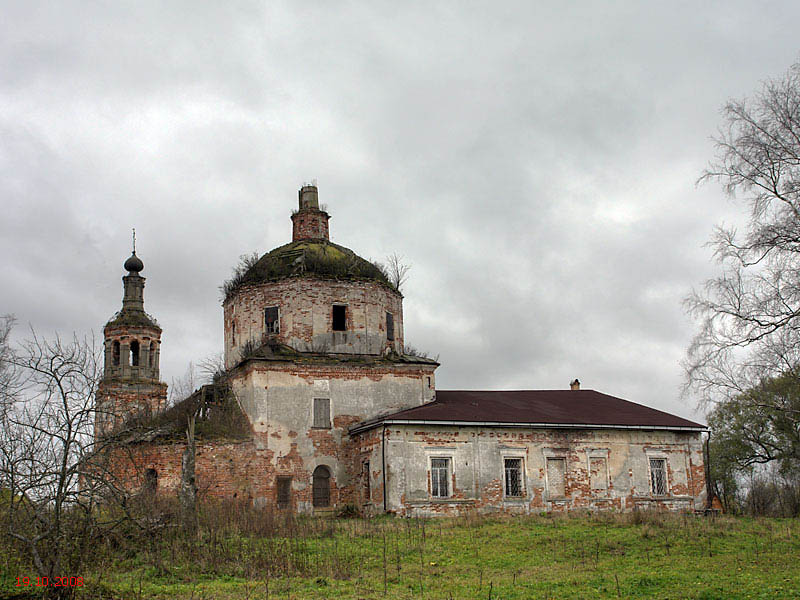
[322, 409]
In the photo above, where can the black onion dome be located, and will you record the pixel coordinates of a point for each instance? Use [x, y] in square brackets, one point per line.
[134, 264]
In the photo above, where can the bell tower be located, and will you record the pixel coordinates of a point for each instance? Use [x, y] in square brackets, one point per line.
[132, 348]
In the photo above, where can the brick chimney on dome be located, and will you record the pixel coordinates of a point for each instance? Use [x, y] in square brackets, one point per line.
[309, 222]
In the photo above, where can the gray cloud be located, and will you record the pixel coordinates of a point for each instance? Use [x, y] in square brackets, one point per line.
[535, 164]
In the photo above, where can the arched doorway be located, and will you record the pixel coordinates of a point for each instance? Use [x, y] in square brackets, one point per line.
[321, 487]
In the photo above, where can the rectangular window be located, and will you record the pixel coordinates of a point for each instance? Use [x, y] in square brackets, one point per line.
[284, 492]
[440, 477]
[272, 320]
[658, 476]
[598, 474]
[556, 468]
[366, 481]
[322, 413]
[339, 317]
[513, 477]
[390, 327]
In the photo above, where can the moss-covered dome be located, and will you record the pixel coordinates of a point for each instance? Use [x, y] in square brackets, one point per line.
[318, 258]
[132, 318]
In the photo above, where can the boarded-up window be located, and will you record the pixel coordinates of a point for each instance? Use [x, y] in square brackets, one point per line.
[134, 353]
[322, 413]
[556, 467]
[440, 476]
[598, 474]
[390, 327]
[365, 481]
[658, 476]
[284, 492]
[513, 477]
[321, 487]
[339, 317]
[271, 320]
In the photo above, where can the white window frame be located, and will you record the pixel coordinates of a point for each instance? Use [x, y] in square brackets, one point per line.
[449, 479]
[598, 453]
[560, 453]
[523, 474]
[662, 457]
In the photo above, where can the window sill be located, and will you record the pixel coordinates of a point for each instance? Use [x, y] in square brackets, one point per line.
[667, 497]
[515, 499]
[322, 428]
[440, 501]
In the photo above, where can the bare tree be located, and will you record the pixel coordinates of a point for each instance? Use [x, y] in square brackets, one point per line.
[50, 462]
[188, 491]
[7, 371]
[397, 270]
[749, 315]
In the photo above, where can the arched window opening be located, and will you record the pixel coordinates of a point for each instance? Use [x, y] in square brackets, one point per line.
[150, 481]
[152, 357]
[321, 487]
[134, 353]
[115, 353]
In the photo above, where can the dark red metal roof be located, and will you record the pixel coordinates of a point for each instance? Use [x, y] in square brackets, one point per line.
[564, 408]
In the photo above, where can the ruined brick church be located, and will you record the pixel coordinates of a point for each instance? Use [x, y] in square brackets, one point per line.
[320, 407]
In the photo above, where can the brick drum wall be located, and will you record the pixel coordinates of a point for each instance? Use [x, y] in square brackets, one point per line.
[305, 305]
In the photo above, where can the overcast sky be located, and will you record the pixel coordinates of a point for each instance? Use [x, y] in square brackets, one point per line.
[534, 162]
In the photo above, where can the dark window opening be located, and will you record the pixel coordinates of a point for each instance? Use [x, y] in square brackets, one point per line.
[366, 481]
[152, 357]
[429, 382]
[284, 498]
[321, 487]
[339, 317]
[322, 413]
[271, 319]
[233, 333]
[134, 354]
[150, 481]
[513, 473]
[115, 353]
[390, 327]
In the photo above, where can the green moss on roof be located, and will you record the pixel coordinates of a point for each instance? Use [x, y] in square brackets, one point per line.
[317, 258]
[219, 416]
[132, 318]
[284, 353]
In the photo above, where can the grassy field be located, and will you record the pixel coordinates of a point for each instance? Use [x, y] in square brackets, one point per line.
[594, 556]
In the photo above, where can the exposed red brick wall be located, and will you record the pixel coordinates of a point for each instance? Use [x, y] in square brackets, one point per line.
[685, 473]
[310, 224]
[118, 399]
